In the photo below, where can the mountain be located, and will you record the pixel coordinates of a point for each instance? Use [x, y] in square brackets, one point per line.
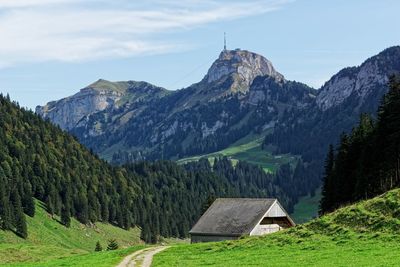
[241, 93]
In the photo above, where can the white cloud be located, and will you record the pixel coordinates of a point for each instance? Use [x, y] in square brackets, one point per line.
[78, 30]
[31, 3]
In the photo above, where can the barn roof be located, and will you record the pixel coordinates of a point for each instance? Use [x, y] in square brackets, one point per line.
[232, 216]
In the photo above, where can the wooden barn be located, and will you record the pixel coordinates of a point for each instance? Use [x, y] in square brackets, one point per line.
[231, 218]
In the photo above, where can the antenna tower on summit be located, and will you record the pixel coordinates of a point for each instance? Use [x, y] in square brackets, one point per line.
[224, 41]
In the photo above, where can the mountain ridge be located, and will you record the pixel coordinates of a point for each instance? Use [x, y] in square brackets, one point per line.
[209, 116]
[228, 81]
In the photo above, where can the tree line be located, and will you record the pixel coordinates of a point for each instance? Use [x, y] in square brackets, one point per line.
[367, 161]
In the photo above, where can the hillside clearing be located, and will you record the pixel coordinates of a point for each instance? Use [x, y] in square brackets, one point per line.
[248, 149]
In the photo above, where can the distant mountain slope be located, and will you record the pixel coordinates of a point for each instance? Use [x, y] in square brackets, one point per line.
[240, 94]
[363, 234]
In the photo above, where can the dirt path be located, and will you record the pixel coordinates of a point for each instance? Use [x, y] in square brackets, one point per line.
[141, 258]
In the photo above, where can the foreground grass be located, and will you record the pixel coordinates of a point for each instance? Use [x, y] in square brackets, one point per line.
[49, 240]
[279, 250]
[364, 234]
[98, 259]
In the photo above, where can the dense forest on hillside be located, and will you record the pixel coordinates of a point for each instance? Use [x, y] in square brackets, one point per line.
[367, 161]
[39, 160]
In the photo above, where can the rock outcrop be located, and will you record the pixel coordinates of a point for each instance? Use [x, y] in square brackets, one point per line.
[243, 67]
[362, 81]
[99, 96]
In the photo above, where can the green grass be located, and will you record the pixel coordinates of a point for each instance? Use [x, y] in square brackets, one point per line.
[98, 259]
[307, 208]
[364, 234]
[248, 149]
[107, 85]
[49, 240]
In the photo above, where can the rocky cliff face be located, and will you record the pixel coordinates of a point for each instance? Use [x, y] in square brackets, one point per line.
[99, 96]
[243, 67]
[362, 81]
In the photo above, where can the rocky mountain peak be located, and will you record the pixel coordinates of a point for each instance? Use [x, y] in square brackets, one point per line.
[243, 66]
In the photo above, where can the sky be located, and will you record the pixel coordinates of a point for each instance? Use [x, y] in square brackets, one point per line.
[49, 49]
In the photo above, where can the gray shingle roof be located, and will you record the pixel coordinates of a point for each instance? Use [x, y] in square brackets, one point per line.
[232, 216]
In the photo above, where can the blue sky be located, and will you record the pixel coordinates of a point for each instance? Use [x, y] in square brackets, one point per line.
[49, 49]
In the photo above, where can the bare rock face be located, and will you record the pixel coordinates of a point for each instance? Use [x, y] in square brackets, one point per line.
[67, 112]
[99, 96]
[360, 81]
[243, 66]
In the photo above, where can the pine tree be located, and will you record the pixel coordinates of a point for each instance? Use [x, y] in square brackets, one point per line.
[65, 216]
[210, 199]
[5, 219]
[112, 244]
[28, 202]
[326, 200]
[19, 216]
[389, 133]
[98, 246]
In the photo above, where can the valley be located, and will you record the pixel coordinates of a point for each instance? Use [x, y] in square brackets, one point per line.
[199, 133]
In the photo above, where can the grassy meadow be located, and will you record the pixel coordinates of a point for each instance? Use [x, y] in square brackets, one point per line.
[363, 234]
[50, 242]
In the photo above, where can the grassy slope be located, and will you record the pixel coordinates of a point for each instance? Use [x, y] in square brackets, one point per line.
[49, 240]
[363, 234]
[248, 149]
